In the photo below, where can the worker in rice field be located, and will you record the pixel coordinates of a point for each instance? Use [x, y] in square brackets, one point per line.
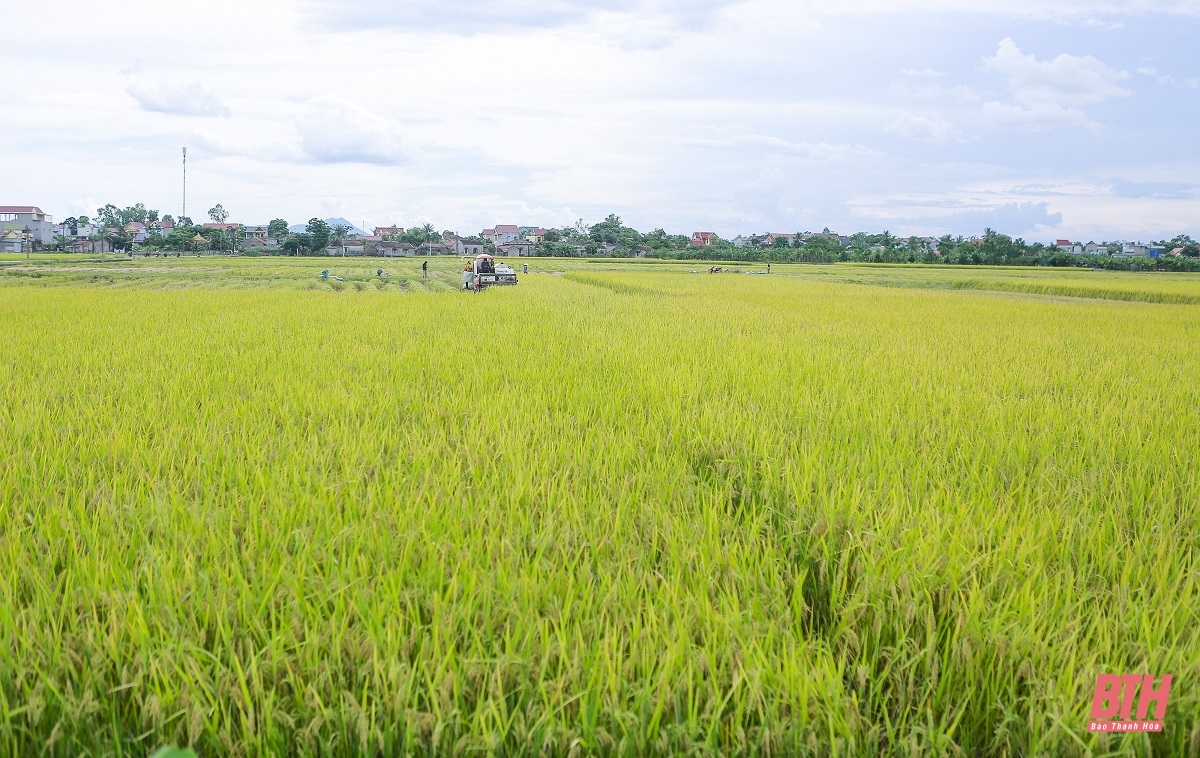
[425, 269]
[768, 268]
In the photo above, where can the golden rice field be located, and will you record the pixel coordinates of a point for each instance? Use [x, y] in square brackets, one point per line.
[619, 509]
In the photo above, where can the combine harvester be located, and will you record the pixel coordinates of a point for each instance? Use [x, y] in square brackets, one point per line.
[482, 271]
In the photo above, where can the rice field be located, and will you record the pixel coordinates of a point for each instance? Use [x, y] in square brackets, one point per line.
[618, 509]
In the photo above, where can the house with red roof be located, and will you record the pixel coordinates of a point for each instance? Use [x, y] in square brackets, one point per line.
[505, 234]
[28, 220]
[702, 239]
[769, 240]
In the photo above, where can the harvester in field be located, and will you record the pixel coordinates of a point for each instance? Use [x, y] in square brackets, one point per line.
[483, 271]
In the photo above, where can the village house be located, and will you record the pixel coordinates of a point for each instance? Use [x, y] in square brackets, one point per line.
[769, 240]
[1133, 250]
[503, 234]
[702, 239]
[137, 231]
[11, 242]
[394, 249]
[518, 249]
[28, 220]
[222, 227]
[386, 232]
[460, 246]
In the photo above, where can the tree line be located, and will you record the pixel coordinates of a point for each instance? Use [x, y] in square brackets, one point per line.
[612, 238]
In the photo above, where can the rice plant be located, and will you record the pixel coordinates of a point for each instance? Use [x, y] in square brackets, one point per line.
[613, 512]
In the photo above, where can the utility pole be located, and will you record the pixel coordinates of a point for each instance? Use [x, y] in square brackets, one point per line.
[184, 214]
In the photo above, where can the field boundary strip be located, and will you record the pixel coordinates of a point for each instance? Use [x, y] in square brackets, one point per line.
[1025, 288]
[1092, 293]
[622, 288]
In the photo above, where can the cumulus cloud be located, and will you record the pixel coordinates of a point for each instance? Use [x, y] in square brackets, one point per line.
[1167, 79]
[964, 215]
[1049, 93]
[926, 84]
[1010, 218]
[931, 128]
[186, 100]
[337, 131]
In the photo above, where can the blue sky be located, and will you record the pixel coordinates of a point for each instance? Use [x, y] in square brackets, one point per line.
[1039, 119]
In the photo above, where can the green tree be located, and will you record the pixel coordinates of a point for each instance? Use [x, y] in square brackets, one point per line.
[339, 232]
[612, 232]
[318, 233]
[278, 228]
[297, 244]
[119, 238]
[109, 216]
[218, 214]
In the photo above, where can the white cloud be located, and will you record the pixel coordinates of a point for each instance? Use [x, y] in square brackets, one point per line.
[481, 16]
[816, 151]
[931, 128]
[933, 91]
[337, 131]
[1067, 10]
[724, 114]
[1048, 93]
[1167, 79]
[186, 100]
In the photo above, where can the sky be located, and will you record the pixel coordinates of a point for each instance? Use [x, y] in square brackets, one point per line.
[1042, 119]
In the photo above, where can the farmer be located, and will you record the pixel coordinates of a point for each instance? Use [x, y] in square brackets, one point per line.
[425, 269]
[768, 268]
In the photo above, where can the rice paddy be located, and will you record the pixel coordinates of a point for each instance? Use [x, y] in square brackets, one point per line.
[620, 508]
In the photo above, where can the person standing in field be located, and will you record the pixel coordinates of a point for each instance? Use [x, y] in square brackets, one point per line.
[768, 268]
[425, 269]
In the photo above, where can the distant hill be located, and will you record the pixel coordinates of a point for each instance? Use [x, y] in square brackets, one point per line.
[298, 228]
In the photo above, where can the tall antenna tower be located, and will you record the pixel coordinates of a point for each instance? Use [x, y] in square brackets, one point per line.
[184, 214]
